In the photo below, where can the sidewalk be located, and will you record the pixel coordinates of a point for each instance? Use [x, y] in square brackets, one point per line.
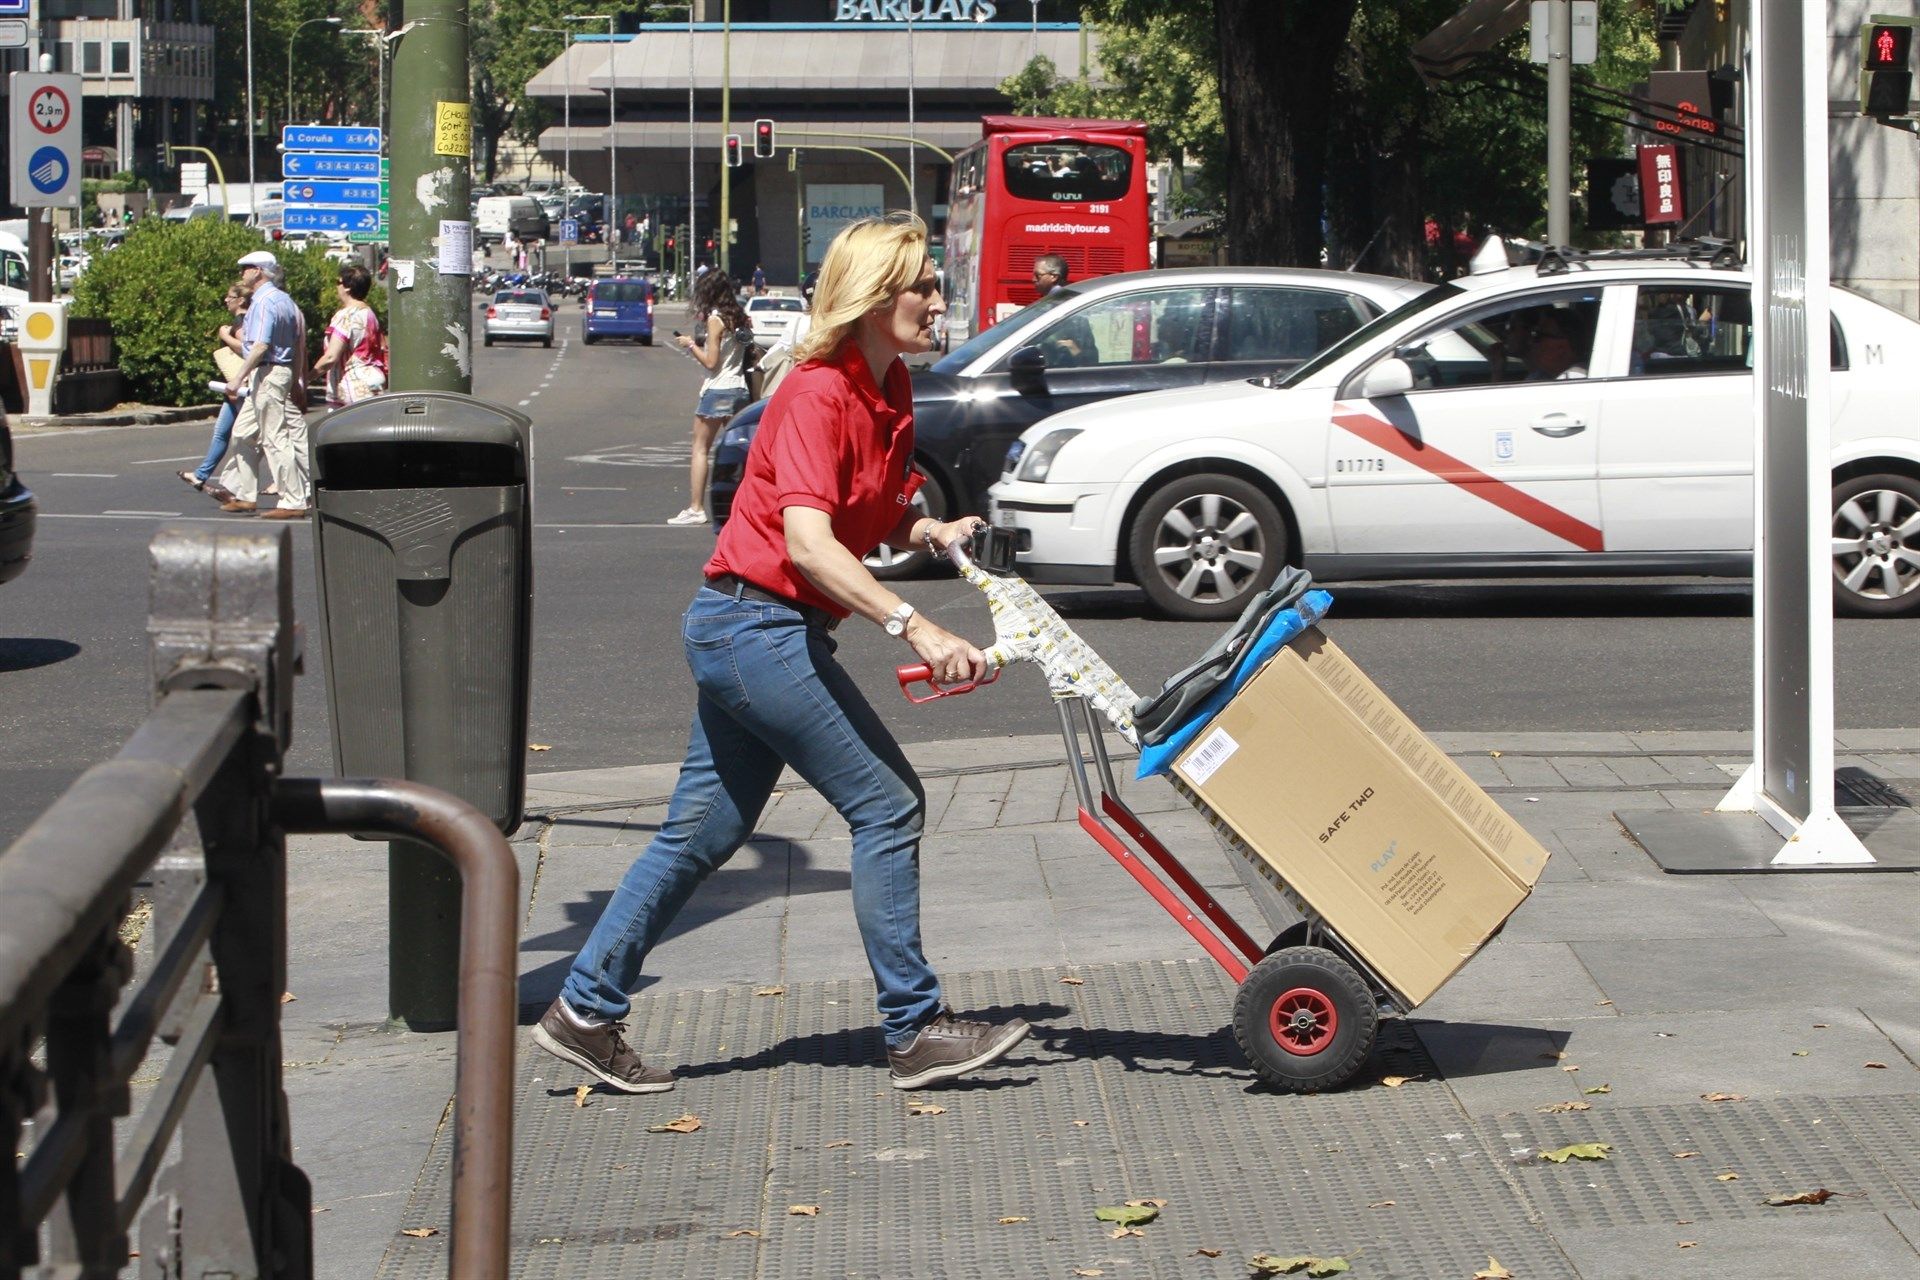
[1795, 992]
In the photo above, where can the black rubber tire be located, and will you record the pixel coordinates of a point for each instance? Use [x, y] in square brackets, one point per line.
[1269, 537]
[548, 342]
[910, 564]
[1846, 600]
[486, 340]
[646, 339]
[1356, 1020]
[587, 339]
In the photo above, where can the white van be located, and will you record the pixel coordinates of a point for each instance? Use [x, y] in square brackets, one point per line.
[497, 216]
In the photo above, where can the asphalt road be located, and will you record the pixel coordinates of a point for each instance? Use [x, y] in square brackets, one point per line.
[609, 684]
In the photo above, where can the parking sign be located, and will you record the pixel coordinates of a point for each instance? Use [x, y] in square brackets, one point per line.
[44, 140]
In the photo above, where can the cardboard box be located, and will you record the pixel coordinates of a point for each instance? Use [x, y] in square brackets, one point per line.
[1354, 810]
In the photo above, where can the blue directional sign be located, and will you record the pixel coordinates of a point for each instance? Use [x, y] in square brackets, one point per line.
[569, 230]
[330, 137]
[322, 191]
[327, 164]
[315, 218]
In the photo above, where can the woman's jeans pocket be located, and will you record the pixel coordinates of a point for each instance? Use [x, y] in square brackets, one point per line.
[710, 640]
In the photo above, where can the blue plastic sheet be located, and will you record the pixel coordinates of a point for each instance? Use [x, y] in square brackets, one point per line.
[1280, 629]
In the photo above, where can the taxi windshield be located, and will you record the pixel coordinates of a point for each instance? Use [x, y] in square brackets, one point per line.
[1365, 333]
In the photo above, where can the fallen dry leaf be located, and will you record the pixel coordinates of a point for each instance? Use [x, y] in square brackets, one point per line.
[840, 1142]
[803, 1211]
[1272, 1265]
[1723, 1097]
[1799, 1053]
[1127, 1215]
[287, 997]
[580, 1092]
[1007, 1222]
[1553, 1107]
[1819, 1026]
[1876, 1066]
[538, 746]
[1496, 754]
[688, 1123]
[1121, 1233]
[1802, 1197]
[1685, 1155]
[1570, 1067]
[1072, 981]
[1081, 1124]
[1599, 1088]
[1688, 1244]
[1088, 1271]
[769, 991]
[1493, 1271]
[1381, 1204]
[925, 1109]
[420, 1233]
[1204, 1253]
[1579, 1151]
[747, 1232]
[1603, 1003]
[324, 1209]
[1394, 1082]
[1553, 1057]
[1728, 1176]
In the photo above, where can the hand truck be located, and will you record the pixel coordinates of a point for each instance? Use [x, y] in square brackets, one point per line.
[1308, 1008]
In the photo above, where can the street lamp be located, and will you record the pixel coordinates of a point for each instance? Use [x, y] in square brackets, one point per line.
[690, 148]
[380, 58]
[567, 199]
[566, 77]
[332, 22]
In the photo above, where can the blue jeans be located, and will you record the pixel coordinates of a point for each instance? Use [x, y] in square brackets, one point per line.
[222, 432]
[771, 694]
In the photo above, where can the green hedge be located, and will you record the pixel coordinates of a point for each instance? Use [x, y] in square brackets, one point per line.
[163, 290]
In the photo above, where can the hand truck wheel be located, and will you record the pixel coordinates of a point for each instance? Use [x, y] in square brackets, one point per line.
[1306, 1020]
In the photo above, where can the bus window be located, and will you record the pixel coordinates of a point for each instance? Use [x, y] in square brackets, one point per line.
[1067, 170]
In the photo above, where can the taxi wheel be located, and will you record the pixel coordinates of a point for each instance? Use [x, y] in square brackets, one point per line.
[889, 564]
[487, 341]
[1876, 546]
[1202, 546]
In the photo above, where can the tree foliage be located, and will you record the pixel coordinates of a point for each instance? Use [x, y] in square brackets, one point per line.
[162, 290]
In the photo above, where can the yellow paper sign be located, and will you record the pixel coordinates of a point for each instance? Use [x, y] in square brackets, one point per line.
[452, 129]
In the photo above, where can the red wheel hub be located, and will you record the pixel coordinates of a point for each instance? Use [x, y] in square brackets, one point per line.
[1303, 1021]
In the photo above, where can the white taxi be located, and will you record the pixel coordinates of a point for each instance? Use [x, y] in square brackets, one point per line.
[1590, 416]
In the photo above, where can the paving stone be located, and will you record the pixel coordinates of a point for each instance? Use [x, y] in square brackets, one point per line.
[1506, 980]
[1638, 771]
[1848, 1244]
[1679, 907]
[1607, 853]
[1586, 772]
[1530, 771]
[976, 803]
[1695, 770]
[1483, 769]
[595, 827]
[1662, 975]
[1033, 796]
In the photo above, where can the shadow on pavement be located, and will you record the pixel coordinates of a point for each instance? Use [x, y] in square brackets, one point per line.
[25, 653]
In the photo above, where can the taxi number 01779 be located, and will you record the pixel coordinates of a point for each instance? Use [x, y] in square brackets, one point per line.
[1360, 464]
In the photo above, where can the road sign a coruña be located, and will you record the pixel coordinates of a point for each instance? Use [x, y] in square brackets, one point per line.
[329, 164]
[313, 218]
[330, 137]
[370, 191]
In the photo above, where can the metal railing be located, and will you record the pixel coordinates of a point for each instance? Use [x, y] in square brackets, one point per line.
[191, 811]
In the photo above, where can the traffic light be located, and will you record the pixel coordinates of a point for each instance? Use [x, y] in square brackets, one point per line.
[763, 139]
[1886, 74]
[733, 151]
[669, 244]
[709, 244]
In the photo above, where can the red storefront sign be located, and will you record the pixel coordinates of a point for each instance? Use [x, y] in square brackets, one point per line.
[1660, 200]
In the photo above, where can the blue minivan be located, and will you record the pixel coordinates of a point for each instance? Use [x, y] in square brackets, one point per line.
[620, 307]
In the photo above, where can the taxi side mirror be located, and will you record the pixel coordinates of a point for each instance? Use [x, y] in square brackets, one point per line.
[1389, 377]
[1027, 370]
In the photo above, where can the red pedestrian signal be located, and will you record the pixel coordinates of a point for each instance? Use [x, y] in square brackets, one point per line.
[763, 139]
[1886, 72]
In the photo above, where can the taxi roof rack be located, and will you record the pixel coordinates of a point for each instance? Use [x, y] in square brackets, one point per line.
[1552, 259]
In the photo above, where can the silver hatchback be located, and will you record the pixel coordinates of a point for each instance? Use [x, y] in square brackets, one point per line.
[519, 313]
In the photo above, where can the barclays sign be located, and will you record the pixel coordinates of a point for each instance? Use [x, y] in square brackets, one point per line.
[913, 10]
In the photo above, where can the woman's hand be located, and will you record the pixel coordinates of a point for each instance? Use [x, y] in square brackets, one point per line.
[951, 659]
[944, 533]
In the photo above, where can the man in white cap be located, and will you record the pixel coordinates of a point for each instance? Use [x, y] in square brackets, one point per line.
[274, 339]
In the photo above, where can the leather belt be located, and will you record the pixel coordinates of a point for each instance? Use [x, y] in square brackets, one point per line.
[740, 588]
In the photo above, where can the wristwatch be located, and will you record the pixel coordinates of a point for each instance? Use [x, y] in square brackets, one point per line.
[896, 622]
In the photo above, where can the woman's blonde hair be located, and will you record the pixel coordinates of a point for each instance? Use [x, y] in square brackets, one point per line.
[867, 266]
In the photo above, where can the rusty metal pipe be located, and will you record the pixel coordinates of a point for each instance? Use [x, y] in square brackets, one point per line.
[489, 941]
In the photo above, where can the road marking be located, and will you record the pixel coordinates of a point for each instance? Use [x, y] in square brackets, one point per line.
[84, 475]
[1516, 502]
[638, 455]
[526, 402]
[139, 513]
[615, 524]
[148, 462]
[148, 515]
[594, 488]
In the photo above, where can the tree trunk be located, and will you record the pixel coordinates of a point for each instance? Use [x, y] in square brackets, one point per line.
[1277, 67]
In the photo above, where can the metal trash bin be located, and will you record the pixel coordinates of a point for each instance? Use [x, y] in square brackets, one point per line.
[424, 552]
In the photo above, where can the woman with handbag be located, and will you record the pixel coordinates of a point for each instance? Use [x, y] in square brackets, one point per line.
[356, 356]
[723, 353]
[227, 358]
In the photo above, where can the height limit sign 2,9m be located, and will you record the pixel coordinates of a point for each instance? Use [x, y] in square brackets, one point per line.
[43, 135]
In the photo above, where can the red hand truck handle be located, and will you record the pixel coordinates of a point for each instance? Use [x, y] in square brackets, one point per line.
[919, 672]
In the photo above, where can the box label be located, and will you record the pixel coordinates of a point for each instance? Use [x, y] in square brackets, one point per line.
[1214, 750]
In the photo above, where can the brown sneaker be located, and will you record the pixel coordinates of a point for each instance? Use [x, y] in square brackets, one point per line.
[948, 1048]
[601, 1050]
[237, 505]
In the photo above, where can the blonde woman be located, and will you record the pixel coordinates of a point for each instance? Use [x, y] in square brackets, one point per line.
[828, 477]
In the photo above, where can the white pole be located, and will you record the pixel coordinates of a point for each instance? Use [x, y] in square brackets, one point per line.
[687, 249]
[913, 193]
[250, 187]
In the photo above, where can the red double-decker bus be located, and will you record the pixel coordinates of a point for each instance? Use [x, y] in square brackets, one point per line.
[1035, 185]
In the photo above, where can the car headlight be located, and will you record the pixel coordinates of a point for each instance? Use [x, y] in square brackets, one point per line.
[1039, 459]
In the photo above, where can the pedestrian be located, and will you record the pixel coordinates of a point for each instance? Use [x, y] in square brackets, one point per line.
[722, 351]
[631, 235]
[829, 476]
[356, 353]
[269, 423]
[227, 357]
[759, 280]
[1049, 274]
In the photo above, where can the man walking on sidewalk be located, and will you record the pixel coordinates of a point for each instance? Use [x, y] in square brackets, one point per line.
[268, 422]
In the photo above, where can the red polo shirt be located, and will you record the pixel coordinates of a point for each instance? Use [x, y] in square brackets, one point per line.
[833, 440]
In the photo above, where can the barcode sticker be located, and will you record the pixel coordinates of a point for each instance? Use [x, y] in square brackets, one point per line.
[1214, 750]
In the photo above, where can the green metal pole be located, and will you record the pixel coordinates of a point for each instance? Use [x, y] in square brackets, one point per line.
[431, 313]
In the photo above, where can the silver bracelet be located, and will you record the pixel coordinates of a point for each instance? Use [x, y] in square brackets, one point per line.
[927, 537]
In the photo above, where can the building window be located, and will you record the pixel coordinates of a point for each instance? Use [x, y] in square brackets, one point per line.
[90, 58]
[122, 58]
[63, 55]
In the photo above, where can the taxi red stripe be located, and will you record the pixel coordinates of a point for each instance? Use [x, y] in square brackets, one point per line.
[1487, 488]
